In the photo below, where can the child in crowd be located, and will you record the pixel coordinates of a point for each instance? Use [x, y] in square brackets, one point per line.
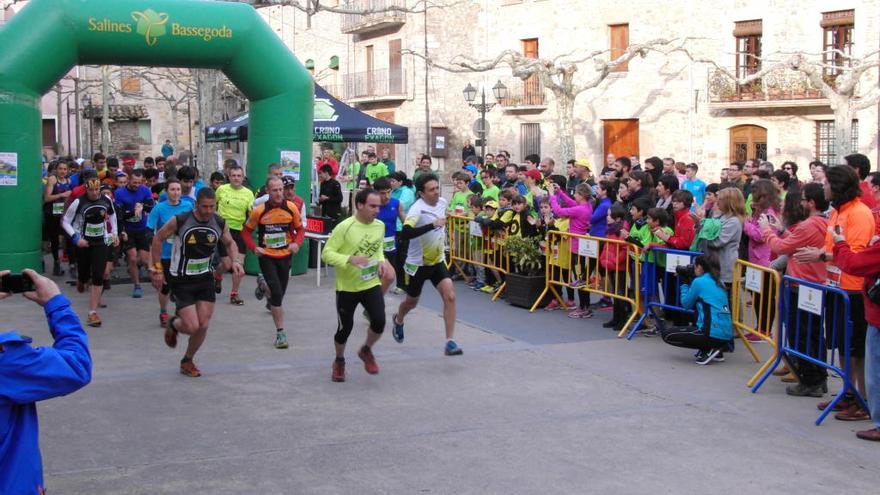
[579, 211]
[522, 224]
[477, 234]
[560, 254]
[613, 260]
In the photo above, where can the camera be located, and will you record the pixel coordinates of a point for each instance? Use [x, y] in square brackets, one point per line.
[685, 273]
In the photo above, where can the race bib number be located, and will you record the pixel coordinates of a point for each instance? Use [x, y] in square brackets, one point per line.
[198, 266]
[94, 230]
[475, 229]
[275, 240]
[58, 208]
[388, 244]
[370, 271]
[410, 269]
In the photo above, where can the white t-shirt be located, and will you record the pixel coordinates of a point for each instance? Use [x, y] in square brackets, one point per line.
[427, 249]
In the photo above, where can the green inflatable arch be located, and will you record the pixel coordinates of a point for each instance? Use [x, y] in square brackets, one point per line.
[48, 37]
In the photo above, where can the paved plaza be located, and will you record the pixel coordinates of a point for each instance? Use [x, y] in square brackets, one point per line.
[539, 403]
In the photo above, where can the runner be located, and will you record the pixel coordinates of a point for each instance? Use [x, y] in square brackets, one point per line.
[390, 211]
[196, 235]
[290, 195]
[233, 204]
[281, 233]
[355, 249]
[134, 203]
[58, 187]
[163, 212]
[85, 221]
[425, 228]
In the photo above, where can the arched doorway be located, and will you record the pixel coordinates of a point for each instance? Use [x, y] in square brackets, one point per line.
[748, 142]
[48, 37]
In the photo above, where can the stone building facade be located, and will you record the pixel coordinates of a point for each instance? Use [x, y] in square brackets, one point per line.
[660, 105]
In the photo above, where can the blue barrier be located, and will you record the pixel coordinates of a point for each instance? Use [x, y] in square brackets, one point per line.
[670, 259]
[811, 344]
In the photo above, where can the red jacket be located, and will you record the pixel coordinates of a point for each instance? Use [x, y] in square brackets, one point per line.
[866, 264]
[614, 256]
[684, 231]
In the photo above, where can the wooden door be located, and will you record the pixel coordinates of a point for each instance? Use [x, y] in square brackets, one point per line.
[619, 43]
[532, 94]
[621, 138]
[387, 117]
[368, 75]
[395, 68]
[748, 142]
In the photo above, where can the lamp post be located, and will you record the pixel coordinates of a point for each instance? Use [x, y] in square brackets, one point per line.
[470, 93]
[87, 105]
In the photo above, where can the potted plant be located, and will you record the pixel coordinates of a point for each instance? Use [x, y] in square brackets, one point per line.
[526, 280]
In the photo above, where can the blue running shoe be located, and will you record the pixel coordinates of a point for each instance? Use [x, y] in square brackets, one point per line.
[397, 329]
[452, 349]
[137, 293]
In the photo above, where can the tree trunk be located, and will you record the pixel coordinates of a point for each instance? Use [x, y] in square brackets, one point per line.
[843, 116]
[209, 111]
[105, 110]
[174, 124]
[58, 145]
[565, 126]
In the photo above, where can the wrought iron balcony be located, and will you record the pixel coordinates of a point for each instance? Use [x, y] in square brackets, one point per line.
[779, 88]
[377, 15]
[524, 95]
[375, 85]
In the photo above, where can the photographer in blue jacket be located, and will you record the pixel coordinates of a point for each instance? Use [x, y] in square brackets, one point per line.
[30, 374]
[703, 289]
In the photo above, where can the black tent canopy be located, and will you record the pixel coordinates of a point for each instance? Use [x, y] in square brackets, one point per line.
[334, 121]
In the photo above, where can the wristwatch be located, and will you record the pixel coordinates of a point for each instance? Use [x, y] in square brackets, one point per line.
[823, 256]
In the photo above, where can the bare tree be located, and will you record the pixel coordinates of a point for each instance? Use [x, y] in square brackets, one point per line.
[556, 74]
[847, 82]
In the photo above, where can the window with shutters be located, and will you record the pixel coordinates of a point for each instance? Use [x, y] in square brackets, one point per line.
[130, 82]
[825, 149]
[530, 139]
[619, 43]
[837, 40]
[532, 94]
[748, 47]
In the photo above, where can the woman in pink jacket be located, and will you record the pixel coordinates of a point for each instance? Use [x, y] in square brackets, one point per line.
[579, 211]
[765, 205]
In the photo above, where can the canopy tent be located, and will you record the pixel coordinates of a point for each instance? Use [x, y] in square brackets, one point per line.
[334, 122]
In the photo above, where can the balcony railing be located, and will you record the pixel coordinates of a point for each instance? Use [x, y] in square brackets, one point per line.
[382, 84]
[776, 88]
[524, 95]
[377, 18]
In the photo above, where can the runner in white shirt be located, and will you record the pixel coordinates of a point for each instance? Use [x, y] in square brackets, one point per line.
[425, 227]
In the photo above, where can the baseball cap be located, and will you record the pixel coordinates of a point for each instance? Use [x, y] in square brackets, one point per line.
[491, 204]
[288, 181]
[128, 160]
[535, 175]
[470, 168]
[582, 163]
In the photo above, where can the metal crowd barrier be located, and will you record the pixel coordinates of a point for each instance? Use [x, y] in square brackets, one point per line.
[469, 245]
[658, 267]
[813, 337]
[562, 267]
[762, 285]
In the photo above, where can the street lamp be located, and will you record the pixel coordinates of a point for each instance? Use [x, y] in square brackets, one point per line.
[87, 103]
[470, 94]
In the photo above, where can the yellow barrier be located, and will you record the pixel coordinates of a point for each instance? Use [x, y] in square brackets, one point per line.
[563, 265]
[761, 285]
[469, 244]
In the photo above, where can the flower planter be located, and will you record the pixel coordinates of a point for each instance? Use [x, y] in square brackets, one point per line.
[523, 290]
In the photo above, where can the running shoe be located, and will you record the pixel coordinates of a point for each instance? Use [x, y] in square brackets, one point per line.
[801, 390]
[261, 289]
[397, 329]
[94, 320]
[581, 313]
[477, 286]
[706, 357]
[218, 282]
[137, 292]
[577, 283]
[171, 333]
[280, 340]
[189, 369]
[488, 289]
[452, 349]
[338, 374]
[163, 318]
[366, 355]
[234, 299]
[553, 306]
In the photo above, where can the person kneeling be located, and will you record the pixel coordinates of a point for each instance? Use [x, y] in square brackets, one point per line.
[705, 291]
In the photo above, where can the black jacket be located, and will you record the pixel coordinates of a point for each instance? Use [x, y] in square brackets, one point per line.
[332, 206]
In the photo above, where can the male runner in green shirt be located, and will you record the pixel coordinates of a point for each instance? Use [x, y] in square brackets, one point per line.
[234, 202]
[355, 249]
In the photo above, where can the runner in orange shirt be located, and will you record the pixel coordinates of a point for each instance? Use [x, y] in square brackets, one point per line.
[280, 228]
